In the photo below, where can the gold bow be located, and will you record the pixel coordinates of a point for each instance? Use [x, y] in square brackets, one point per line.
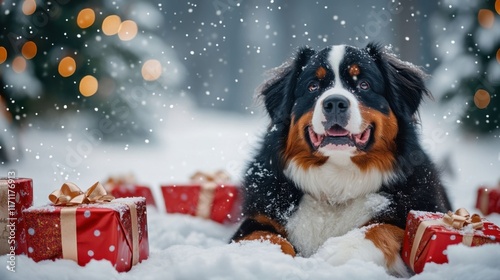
[70, 194]
[127, 180]
[461, 218]
[210, 181]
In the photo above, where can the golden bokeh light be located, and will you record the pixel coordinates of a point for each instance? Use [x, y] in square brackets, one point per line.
[19, 64]
[486, 18]
[88, 85]
[127, 30]
[67, 67]
[151, 70]
[498, 54]
[497, 6]
[111, 24]
[482, 98]
[3, 55]
[29, 50]
[85, 18]
[29, 7]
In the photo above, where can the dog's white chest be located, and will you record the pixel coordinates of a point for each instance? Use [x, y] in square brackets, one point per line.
[316, 221]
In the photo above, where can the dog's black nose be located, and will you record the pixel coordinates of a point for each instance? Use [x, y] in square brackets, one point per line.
[335, 104]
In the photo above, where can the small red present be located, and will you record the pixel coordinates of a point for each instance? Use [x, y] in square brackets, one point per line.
[126, 186]
[488, 200]
[91, 225]
[209, 196]
[16, 194]
[428, 234]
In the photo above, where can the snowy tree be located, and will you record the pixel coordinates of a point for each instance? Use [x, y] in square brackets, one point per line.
[467, 45]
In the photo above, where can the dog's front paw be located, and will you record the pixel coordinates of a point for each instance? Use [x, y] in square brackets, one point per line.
[355, 245]
[352, 245]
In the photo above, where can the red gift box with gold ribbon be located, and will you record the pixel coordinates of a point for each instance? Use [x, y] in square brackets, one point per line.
[488, 199]
[127, 186]
[210, 196]
[428, 235]
[16, 194]
[85, 226]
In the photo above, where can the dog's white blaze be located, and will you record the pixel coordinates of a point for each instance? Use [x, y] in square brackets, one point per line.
[335, 182]
[315, 221]
[335, 57]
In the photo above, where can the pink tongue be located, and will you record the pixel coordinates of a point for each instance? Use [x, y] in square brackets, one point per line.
[337, 131]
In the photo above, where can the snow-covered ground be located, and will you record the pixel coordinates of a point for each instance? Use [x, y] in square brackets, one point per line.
[184, 247]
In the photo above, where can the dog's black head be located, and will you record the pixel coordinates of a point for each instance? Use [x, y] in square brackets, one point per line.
[343, 109]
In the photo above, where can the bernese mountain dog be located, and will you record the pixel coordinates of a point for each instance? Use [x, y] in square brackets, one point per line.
[340, 165]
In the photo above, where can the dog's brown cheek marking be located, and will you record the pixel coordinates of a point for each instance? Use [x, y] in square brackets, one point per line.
[382, 153]
[297, 148]
[388, 239]
[286, 247]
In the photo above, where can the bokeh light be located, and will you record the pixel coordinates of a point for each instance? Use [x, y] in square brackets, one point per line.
[19, 64]
[482, 98]
[88, 85]
[111, 24]
[29, 7]
[497, 6]
[486, 18]
[498, 54]
[127, 30]
[67, 67]
[29, 50]
[85, 18]
[3, 55]
[151, 70]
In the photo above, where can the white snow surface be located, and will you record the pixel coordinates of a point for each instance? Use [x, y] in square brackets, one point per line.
[185, 247]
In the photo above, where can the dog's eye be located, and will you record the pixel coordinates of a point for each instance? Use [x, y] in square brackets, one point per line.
[313, 86]
[364, 85]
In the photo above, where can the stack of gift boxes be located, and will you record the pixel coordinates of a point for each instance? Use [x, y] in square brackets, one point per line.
[109, 222]
[104, 222]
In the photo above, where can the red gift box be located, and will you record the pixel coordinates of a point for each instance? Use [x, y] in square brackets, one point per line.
[207, 197]
[16, 194]
[115, 231]
[428, 234]
[488, 200]
[126, 186]
[125, 190]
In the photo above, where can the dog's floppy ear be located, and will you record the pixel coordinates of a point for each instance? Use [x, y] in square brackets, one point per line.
[405, 80]
[277, 92]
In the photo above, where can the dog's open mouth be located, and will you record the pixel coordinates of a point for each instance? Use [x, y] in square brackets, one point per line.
[340, 138]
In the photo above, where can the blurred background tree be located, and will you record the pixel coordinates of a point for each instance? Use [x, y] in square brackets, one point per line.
[98, 60]
[466, 36]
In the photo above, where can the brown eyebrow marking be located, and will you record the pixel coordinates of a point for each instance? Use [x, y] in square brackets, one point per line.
[321, 73]
[354, 70]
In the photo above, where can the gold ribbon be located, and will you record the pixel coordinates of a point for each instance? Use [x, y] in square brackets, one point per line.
[70, 195]
[208, 183]
[68, 233]
[135, 232]
[458, 220]
[461, 218]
